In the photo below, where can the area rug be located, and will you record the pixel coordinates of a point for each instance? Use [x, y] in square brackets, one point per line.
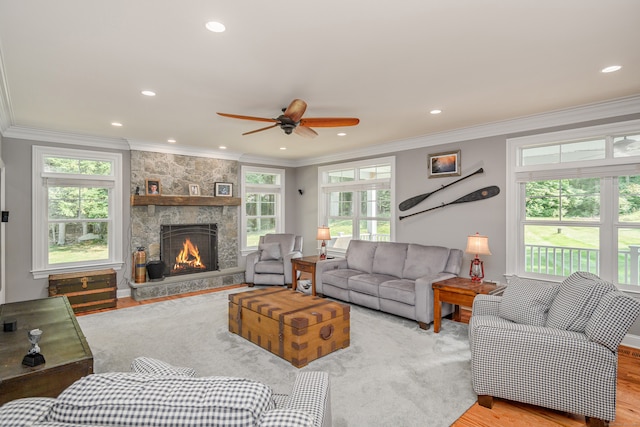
[392, 374]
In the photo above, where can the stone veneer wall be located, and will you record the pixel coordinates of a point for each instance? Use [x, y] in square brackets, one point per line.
[175, 173]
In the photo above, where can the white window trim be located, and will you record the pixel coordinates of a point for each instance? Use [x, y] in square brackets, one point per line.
[40, 270]
[324, 187]
[280, 211]
[593, 168]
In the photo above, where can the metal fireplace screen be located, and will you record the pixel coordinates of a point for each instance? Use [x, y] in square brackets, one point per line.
[189, 248]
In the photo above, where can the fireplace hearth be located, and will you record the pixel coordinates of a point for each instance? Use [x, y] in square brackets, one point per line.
[189, 248]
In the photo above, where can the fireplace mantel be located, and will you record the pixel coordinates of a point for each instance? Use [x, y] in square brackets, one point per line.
[184, 201]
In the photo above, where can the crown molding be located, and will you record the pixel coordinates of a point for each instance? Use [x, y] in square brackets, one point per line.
[183, 150]
[271, 161]
[601, 110]
[20, 132]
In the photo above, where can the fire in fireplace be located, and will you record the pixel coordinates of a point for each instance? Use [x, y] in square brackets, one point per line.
[189, 248]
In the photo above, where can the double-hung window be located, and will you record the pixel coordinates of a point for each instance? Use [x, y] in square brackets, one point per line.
[263, 204]
[356, 201]
[77, 210]
[573, 204]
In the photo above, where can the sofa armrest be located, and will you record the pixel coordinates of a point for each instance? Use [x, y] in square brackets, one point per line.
[486, 305]
[25, 412]
[286, 259]
[424, 296]
[311, 394]
[325, 265]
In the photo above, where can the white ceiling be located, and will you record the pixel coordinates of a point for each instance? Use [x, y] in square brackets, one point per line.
[75, 66]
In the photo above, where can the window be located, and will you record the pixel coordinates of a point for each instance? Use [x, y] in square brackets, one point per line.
[573, 204]
[263, 202]
[77, 210]
[356, 201]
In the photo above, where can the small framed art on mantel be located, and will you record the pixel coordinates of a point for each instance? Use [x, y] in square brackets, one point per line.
[223, 189]
[444, 164]
[152, 187]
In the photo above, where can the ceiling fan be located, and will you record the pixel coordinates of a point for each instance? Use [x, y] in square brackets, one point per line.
[291, 120]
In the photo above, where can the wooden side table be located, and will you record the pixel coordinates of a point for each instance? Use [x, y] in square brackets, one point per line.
[458, 291]
[308, 265]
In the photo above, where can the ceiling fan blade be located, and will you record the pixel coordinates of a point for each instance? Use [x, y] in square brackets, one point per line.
[236, 116]
[295, 110]
[329, 122]
[306, 132]
[260, 130]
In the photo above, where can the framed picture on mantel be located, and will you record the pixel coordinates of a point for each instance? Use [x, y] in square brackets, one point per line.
[152, 187]
[223, 189]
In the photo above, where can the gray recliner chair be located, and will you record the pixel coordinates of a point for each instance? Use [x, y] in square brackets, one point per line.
[551, 345]
[271, 263]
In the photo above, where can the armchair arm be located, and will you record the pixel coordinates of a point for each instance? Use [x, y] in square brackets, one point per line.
[25, 412]
[311, 394]
[286, 260]
[486, 305]
[325, 265]
[251, 260]
[424, 297]
[612, 318]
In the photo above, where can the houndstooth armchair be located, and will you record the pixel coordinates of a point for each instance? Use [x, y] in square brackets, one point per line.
[551, 345]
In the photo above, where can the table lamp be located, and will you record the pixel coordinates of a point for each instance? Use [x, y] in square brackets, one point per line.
[323, 234]
[478, 245]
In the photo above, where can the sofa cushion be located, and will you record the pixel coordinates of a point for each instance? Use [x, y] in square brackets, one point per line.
[368, 283]
[389, 258]
[269, 267]
[116, 399]
[287, 241]
[270, 251]
[424, 261]
[527, 301]
[401, 290]
[339, 277]
[578, 298]
[360, 255]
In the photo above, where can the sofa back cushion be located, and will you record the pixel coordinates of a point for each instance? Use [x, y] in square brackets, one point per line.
[578, 298]
[424, 261]
[389, 258]
[527, 301]
[360, 255]
[118, 399]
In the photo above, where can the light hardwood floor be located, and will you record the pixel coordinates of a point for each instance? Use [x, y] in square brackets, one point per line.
[508, 413]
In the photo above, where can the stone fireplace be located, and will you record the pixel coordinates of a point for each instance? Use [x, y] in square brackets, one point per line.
[176, 173]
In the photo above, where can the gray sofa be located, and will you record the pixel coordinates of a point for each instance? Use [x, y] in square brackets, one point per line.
[392, 277]
[158, 394]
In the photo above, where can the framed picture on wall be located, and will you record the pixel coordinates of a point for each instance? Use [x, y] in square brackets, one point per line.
[153, 187]
[194, 190]
[444, 164]
[223, 189]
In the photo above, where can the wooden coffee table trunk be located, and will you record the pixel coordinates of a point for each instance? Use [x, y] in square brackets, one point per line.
[299, 328]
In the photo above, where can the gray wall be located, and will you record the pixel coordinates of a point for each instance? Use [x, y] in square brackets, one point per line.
[20, 284]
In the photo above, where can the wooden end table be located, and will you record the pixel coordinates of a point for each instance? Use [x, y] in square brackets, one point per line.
[458, 291]
[308, 265]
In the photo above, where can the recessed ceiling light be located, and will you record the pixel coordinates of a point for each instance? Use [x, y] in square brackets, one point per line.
[611, 68]
[148, 93]
[342, 134]
[283, 148]
[436, 111]
[215, 27]
[116, 124]
[171, 141]
[223, 147]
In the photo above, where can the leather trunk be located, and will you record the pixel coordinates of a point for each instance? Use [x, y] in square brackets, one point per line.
[87, 291]
[299, 328]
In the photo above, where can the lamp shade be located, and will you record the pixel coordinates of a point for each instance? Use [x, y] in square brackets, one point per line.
[478, 245]
[323, 233]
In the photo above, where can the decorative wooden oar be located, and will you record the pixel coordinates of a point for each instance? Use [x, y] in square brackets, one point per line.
[483, 193]
[413, 201]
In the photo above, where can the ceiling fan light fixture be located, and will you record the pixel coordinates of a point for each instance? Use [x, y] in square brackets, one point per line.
[215, 27]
